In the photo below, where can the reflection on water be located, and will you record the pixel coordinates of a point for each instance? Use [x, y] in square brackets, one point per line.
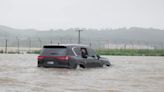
[18, 73]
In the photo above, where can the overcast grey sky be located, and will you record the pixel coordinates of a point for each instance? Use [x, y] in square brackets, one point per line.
[46, 14]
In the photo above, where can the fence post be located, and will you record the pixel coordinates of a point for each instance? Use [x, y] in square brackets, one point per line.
[29, 45]
[17, 44]
[6, 41]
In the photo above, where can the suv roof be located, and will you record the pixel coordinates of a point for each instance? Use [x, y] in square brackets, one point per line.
[77, 45]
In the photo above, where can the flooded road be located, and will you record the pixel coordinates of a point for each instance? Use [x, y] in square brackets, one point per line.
[18, 73]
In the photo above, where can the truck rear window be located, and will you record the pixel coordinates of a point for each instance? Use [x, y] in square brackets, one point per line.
[54, 51]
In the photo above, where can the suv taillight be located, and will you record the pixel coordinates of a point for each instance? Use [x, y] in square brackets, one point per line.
[63, 57]
[56, 57]
[40, 57]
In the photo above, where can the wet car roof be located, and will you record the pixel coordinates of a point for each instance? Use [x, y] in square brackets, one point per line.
[66, 45]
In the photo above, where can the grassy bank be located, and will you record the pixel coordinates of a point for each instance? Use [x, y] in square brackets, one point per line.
[117, 52]
[131, 52]
[126, 52]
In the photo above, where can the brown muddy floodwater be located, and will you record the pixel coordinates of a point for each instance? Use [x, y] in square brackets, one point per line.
[18, 73]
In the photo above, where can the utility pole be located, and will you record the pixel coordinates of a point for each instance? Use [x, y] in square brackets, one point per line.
[79, 36]
[17, 44]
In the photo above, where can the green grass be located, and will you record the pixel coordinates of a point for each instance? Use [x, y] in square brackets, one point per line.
[131, 52]
[121, 52]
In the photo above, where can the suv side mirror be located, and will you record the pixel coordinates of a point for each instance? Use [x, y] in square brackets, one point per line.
[84, 56]
[93, 56]
[98, 56]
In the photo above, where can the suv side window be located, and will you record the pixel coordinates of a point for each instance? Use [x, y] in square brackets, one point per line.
[84, 52]
[76, 51]
[92, 53]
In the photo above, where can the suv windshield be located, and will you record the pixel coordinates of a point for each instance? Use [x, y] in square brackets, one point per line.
[54, 51]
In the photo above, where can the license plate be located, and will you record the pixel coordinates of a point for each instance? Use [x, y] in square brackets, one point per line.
[50, 62]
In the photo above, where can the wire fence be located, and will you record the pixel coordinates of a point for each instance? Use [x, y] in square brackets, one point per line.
[22, 45]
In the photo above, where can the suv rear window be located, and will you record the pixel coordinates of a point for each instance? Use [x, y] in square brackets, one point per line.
[54, 51]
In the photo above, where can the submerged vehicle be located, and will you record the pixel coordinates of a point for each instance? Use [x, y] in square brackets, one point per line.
[70, 56]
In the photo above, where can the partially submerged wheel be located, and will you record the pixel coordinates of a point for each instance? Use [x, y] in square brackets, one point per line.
[76, 66]
[38, 64]
[105, 65]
